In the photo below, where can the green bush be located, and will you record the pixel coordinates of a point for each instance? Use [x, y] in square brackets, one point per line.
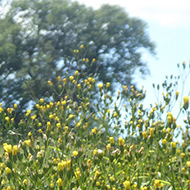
[89, 140]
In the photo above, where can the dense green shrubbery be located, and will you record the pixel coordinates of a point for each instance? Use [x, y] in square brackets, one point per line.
[79, 142]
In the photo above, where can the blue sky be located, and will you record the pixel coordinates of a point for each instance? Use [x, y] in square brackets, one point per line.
[169, 27]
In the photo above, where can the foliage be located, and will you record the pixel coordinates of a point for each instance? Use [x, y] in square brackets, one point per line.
[37, 39]
[63, 145]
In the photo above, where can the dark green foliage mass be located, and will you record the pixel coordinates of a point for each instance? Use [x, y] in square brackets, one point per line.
[37, 39]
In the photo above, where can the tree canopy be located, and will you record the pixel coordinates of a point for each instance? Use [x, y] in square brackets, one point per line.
[37, 39]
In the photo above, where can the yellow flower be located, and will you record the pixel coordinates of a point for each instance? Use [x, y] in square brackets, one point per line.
[59, 78]
[7, 148]
[98, 183]
[71, 78]
[164, 141]
[107, 84]
[51, 116]
[77, 174]
[112, 179]
[100, 86]
[50, 83]
[169, 119]
[144, 134]
[52, 185]
[8, 188]
[108, 147]
[97, 173]
[121, 141]
[68, 164]
[28, 142]
[76, 73]
[82, 46]
[48, 125]
[186, 102]
[15, 150]
[60, 166]
[8, 170]
[173, 144]
[156, 184]
[188, 163]
[182, 155]
[1, 109]
[66, 129]
[7, 118]
[9, 110]
[71, 116]
[127, 184]
[112, 141]
[151, 132]
[41, 100]
[94, 130]
[24, 181]
[60, 182]
[93, 60]
[28, 112]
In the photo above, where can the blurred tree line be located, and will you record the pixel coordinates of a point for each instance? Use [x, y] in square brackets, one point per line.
[37, 40]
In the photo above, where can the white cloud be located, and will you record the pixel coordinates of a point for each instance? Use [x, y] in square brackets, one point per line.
[167, 13]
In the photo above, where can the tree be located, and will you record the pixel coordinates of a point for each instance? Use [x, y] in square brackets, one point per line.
[38, 38]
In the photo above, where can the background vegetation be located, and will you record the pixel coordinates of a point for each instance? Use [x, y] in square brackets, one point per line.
[66, 61]
[38, 38]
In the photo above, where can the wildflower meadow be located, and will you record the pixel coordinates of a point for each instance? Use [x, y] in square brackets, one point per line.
[89, 139]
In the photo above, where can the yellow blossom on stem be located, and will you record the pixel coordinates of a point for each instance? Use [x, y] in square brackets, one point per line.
[48, 125]
[15, 150]
[60, 182]
[173, 144]
[78, 174]
[41, 100]
[75, 153]
[64, 80]
[164, 141]
[68, 165]
[24, 181]
[60, 166]
[182, 155]
[66, 129]
[7, 148]
[108, 147]
[28, 142]
[52, 184]
[107, 84]
[71, 78]
[50, 83]
[7, 118]
[156, 184]
[112, 141]
[144, 134]
[93, 60]
[186, 102]
[59, 78]
[151, 132]
[188, 163]
[127, 184]
[97, 173]
[100, 86]
[8, 170]
[76, 73]
[121, 141]
[28, 112]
